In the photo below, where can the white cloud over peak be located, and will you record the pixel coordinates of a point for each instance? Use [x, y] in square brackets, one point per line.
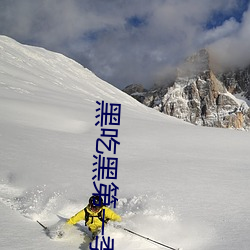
[233, 49]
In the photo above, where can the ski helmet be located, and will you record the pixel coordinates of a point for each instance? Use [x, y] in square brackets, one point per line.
[95, 202]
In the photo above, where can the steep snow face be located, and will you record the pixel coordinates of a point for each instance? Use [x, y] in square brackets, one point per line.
[37, 74]
[179, 184]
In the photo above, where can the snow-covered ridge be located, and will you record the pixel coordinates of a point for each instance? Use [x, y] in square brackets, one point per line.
[33, 74]
[35, 68]
[49, 68]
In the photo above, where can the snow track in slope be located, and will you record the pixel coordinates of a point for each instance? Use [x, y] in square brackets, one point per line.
[147, 215]
[32, 204]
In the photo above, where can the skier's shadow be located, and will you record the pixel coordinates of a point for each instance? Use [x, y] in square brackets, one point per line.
[87, 235]
[85, 244]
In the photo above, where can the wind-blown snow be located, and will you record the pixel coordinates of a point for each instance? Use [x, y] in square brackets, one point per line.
[182, 185]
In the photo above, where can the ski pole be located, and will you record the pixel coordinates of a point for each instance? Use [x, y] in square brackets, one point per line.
[45, 228]
[159, 243]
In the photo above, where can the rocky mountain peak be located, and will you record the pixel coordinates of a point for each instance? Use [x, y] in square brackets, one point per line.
[196, 64]
[200, 96]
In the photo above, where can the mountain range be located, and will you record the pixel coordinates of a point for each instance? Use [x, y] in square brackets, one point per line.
[202, 94]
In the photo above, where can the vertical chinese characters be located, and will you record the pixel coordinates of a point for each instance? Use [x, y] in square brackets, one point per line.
[106, 167]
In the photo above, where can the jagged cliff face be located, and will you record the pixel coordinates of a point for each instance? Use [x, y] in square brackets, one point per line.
[199, 97]
[237, 81]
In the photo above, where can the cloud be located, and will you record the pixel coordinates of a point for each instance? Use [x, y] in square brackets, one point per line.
[228, 28]
[232, 50]
[121, 41]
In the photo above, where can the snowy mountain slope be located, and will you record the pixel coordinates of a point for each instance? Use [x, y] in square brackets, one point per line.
[182, 185]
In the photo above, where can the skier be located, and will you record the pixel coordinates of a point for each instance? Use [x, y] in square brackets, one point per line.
[93, 215]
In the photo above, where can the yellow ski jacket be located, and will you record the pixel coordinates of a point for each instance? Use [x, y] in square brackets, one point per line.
[93, 222]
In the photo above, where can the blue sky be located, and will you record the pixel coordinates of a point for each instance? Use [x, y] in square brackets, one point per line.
[218, 17]
[131, 41]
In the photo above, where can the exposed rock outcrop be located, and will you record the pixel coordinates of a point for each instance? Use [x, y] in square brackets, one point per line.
[201, 97]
